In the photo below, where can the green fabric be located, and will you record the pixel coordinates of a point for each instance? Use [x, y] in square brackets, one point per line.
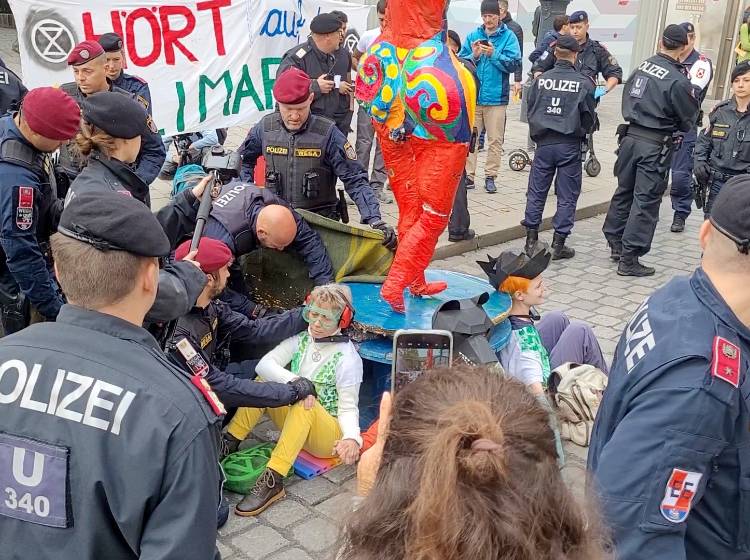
[324, 379]
[744, 43]
[242, 468]
[531, 342]
[281, 279]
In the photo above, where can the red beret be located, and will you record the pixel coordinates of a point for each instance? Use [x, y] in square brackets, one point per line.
[52, 113]
[84, 52]
[292, 87]
[212, 254]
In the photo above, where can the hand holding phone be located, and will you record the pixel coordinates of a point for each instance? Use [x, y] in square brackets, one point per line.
[416, 351]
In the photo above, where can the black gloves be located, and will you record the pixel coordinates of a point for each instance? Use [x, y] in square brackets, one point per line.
[304, 388]
[702, 172]
[390, 241]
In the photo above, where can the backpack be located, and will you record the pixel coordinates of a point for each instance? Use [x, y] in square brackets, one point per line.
[577, 390]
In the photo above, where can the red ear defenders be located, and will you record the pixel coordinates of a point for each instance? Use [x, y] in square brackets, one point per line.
[347, 315]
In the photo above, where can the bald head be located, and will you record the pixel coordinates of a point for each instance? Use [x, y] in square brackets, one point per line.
[276, 227]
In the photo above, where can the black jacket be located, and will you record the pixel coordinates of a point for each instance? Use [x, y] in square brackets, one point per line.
[102, 173]
[725, 143]
[594, 59]
[518, 32]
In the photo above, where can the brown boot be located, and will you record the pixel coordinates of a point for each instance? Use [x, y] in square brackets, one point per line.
[268, 489]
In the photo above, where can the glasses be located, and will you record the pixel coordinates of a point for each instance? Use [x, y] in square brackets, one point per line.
[326, 318]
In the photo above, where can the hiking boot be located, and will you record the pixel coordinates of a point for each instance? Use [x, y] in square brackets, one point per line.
[678, 224]
[228, 445]
[469, 183]
[456, 237]
[268, 489]
[616, 248]
[629, 266]
[559, 250]
[532, 237]
[489, 185]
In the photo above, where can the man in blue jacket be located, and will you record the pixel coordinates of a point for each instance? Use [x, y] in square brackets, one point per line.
[495, 50]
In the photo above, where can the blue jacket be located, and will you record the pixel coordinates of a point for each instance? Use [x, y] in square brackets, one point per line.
[670, 450]
[493, 72]
[544, 45]
[137, 86]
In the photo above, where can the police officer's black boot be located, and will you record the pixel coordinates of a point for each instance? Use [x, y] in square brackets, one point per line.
[532, 238]
[559, 250]
[268, 488]
[678, 224]
[629, 266]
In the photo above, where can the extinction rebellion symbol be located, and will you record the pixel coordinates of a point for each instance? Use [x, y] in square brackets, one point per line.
[49, 38]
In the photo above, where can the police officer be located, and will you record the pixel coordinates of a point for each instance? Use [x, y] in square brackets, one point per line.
[658, 100]
[561, 112]
[112, 45]
[700, 71]
[28, 203]
[670, 451]
[723, 148]
[593, 58]
[12, 90]
[330, 81]
[111, 145]
[246, 217]
[89, 69]
[305, 154]
[212, 323]
[108, 450]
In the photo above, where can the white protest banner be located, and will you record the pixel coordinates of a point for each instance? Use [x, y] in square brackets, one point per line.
[209, 64]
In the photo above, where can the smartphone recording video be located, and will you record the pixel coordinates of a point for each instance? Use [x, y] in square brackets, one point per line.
[417, 351]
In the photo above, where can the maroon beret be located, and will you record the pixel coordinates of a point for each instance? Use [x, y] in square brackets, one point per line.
[52, 113]
[212, 254]
[84, 52]
[292, 87]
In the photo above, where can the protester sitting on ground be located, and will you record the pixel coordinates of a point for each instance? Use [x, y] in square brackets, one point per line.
[326, 426]
[468, 471]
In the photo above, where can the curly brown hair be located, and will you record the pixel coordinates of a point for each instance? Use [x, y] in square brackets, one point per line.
[91, 138]
[469, 472]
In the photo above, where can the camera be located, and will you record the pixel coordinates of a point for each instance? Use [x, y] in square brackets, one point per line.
[273, 181]
[225, 163]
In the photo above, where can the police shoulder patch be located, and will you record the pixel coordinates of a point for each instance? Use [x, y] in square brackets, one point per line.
[301, 52]
[725, 364]
[25, 208]
[151, 125]
[198, 369]
[350, 152]
[678, 495]
[142, 100]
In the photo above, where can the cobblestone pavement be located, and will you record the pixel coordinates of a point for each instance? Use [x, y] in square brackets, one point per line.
[305, 524]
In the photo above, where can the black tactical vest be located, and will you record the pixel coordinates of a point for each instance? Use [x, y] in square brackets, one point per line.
[232, 209]
[304, 180]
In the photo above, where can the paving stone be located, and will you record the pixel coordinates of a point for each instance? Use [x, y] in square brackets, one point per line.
[341, 473]
[236, 524]
[226, 552]
[312, 492]
[337, 508]
[291, 554]
[316, 535]
[259, 541]
[285, 513]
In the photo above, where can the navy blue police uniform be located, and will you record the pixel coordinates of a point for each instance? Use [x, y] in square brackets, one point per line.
[105, 443]
[658, 100]
[561, 112]
[12, 90]
[593, 59]
[112, 43]
[28, 206]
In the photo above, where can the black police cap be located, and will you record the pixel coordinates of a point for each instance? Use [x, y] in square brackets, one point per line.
[578, 17]
[730, 213]
[117, 114]
[675, 34]
[741, 69]
[325, 23]
[688, 27]
[111, 221]
[568, 42]
[111, 42]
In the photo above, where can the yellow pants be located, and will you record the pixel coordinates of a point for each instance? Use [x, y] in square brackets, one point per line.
[313, 430]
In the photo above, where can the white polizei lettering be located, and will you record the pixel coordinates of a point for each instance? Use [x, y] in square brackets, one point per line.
[653, 70]
[95, 401]
[639, 332]
[229, 196]
[120, 412]
[26, 400]
[55, 395]
[84, 383]
[559, 85]
[22, 375]
[19, 455]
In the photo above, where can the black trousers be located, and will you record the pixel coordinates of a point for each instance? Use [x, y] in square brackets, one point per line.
[641, 170]
[460, 219]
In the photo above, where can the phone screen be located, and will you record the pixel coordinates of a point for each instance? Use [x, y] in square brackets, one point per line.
[418, 352]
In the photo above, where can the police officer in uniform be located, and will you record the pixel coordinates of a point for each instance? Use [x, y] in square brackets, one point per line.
[658, 101]
[593, 58]
[561, 112]
[89, 68]
[723, 148]
[316, 59]
[108, 450]
[305, 154]
[212, 323]
[700, 71]
[12, 90]
[28, 203]
[112, 45]
[670, 450]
